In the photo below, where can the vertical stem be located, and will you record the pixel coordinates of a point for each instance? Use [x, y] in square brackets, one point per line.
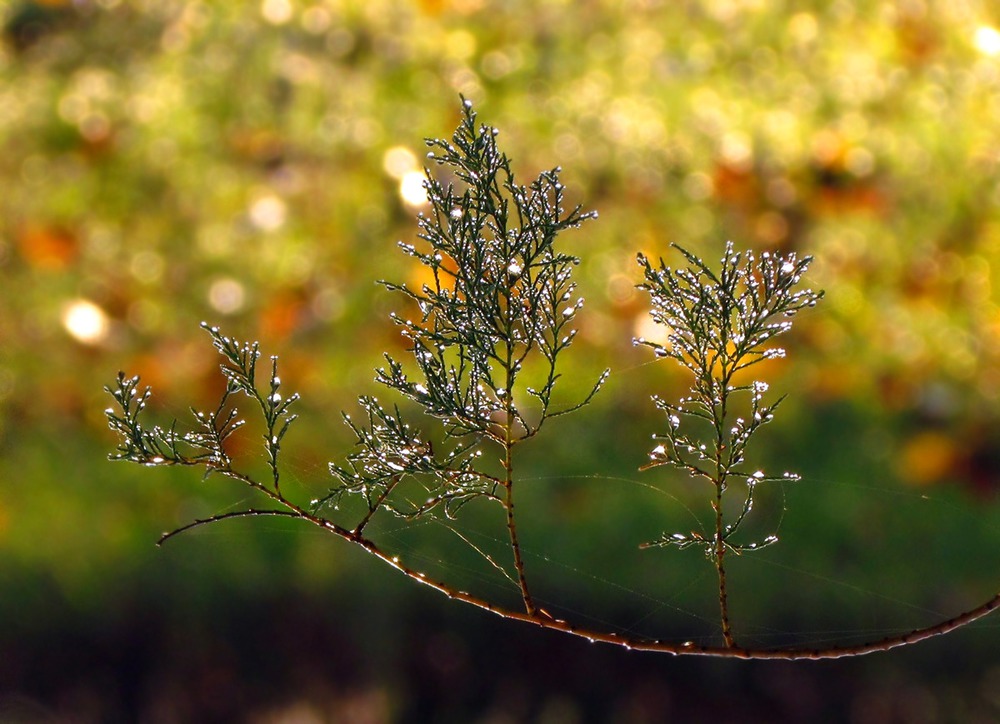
[721, 472]
[720, 552]
[508, 463]
[359, 528]
[529, 604]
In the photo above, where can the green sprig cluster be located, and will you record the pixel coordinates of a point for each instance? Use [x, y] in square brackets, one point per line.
[721, 323]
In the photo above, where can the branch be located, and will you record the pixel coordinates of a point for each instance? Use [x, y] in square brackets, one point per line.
[539, 618]
[542, 620]
[251, 513]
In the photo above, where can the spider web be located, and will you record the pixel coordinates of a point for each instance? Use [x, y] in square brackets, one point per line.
[828, 604]
[794, 593]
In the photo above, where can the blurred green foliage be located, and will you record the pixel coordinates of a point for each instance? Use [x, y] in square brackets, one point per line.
[251, 164]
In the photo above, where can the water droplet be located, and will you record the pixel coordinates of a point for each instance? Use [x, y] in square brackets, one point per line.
[514, 269]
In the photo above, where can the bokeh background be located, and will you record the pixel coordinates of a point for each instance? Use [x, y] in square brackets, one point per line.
[253, 164]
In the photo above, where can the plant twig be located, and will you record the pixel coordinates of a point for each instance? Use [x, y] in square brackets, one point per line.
[501, 293]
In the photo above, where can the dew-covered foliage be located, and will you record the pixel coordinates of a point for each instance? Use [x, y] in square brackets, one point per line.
[486, 339]
[720, 324]
[206, 443]
[499, 296]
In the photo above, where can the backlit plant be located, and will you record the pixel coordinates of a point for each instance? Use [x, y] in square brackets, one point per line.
[486, 334]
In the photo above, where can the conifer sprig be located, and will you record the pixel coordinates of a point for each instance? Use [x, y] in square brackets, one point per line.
[719, 324]
[499, 296]
[499, 305]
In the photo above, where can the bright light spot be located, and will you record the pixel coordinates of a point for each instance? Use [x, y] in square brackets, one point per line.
[276, 12]
[399, 161]
[85, 321]
[268, 213]
[460, 44]
[736, 151]
[803, 28]
[987, 40]
[411, 188]
[226, 296]
[645, 328]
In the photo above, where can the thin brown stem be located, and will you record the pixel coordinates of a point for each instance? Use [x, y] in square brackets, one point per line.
[529, 604]
[510, 419]
[720, 567]
[378, 504]
[534, 616]
[251, 513]
[719, 411]
[508, 484]
[685, 647]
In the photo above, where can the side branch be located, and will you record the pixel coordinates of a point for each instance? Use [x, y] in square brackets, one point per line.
[251, 513]
[543, 620]
[540, 619]
[537, 617]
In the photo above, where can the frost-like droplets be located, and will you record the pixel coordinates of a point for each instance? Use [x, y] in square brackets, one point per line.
[514, 269]
[276, 397]
[456, 213]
